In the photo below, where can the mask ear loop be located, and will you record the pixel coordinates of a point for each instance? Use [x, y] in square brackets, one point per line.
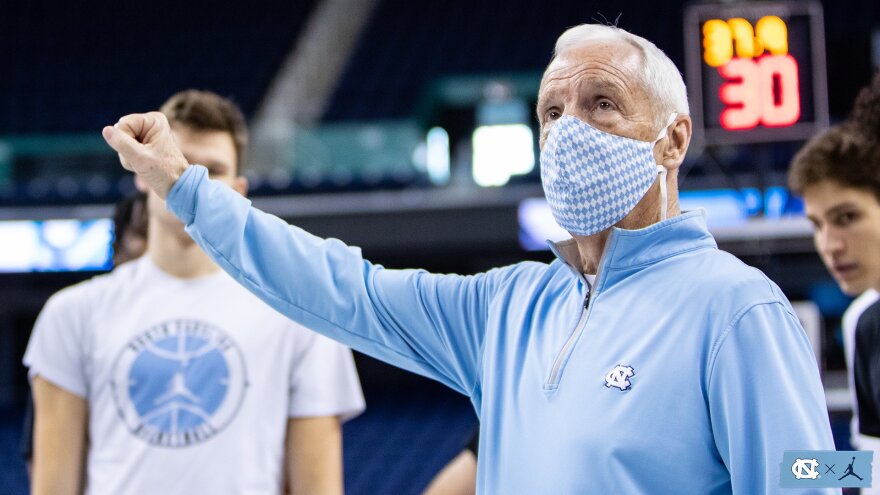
[663, 198]
[662, 171]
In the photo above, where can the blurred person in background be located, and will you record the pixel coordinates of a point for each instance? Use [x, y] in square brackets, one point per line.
[459, 476]
[838, 175]
[165, 376]
[129, 242]
[642, 360]
[130, 222]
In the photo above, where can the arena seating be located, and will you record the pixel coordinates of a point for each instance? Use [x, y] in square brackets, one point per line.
[79, 67]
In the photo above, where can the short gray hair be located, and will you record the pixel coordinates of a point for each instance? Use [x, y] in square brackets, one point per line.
[661, 76]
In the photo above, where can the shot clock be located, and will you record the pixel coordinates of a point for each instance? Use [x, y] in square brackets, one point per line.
[756, 71]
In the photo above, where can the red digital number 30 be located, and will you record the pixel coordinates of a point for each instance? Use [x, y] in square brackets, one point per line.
[763, 91]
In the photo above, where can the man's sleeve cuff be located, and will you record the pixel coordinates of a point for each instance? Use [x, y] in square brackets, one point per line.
[181, 198]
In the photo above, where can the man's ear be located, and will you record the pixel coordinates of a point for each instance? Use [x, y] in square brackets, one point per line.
[240, 184]
[678, 140]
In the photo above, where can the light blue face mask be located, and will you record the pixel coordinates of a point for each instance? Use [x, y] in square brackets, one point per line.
[592, 179]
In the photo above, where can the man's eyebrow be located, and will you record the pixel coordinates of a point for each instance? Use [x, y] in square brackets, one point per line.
[545, 95]
[608, 87]
[838, 208]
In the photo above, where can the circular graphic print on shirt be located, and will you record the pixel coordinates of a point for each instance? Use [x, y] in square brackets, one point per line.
[179, 383]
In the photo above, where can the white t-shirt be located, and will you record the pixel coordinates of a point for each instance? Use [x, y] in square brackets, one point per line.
[190, 382]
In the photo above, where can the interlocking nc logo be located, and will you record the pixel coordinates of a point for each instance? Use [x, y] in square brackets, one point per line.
[619, 377]
[805, 469]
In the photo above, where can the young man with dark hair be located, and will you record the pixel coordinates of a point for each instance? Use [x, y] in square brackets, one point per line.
[165, 376]
[838, 175]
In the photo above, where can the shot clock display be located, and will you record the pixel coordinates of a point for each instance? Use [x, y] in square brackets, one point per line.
[756, 71]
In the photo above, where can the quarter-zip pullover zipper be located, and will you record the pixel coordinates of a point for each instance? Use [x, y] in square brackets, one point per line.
[553, 381]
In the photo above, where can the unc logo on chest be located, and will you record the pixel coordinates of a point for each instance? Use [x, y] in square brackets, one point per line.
[619, 377]
[179, 383]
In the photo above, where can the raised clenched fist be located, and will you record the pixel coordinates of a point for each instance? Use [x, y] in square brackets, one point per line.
[146, 147]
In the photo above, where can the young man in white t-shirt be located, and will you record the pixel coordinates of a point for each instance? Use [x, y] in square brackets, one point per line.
[165, 376]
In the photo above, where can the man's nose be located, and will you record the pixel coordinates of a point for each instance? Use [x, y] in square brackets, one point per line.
[577, 111]
[830, 241]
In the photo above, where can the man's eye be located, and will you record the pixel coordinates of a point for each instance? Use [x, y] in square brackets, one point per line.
[553, 115]
[605, 105]
[845, 219]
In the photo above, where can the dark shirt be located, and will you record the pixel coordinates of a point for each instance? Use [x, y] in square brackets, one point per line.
[866, 370]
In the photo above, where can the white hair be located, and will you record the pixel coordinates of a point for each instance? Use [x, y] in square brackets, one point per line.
[661, 76]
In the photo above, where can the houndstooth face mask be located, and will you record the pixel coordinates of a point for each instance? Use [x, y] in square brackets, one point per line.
[592, 179]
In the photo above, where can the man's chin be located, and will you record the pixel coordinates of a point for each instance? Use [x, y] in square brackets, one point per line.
[171, 223]
[176, 229]
[853, 287]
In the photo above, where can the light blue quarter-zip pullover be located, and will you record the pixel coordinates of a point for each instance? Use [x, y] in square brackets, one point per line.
[680, 371]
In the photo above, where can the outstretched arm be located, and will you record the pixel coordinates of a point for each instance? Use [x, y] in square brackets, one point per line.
[430, 324]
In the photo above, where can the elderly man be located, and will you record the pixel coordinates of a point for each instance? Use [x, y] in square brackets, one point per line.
[643, 360]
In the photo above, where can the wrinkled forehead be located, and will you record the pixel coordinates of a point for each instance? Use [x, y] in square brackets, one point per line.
[614, 62]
